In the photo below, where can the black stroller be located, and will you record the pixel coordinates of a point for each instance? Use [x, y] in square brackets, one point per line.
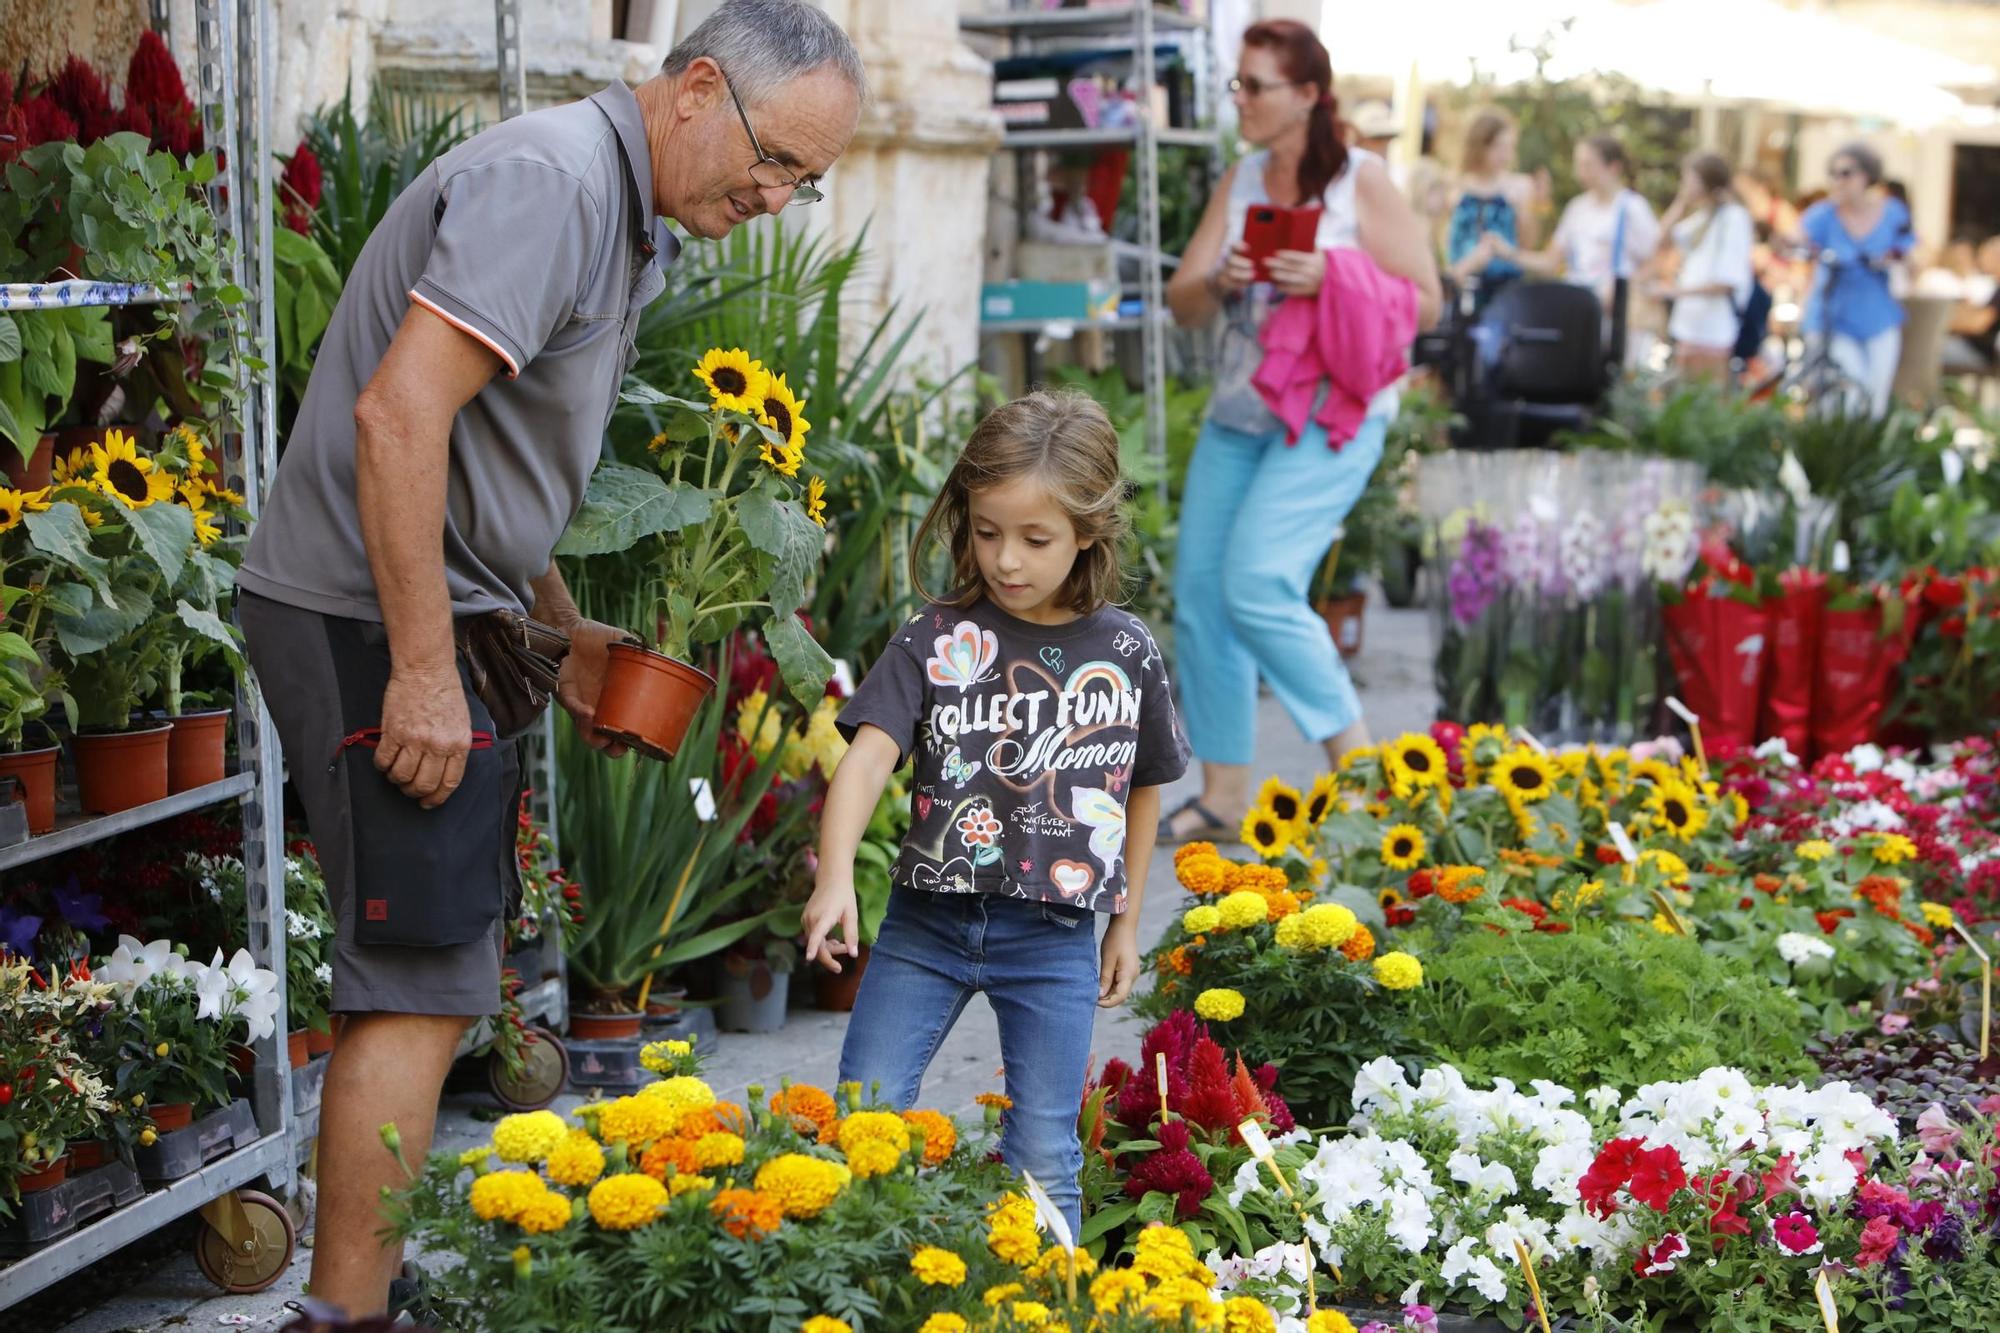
[1532, 364]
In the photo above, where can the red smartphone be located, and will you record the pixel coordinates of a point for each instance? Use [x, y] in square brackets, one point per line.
[1268, 229]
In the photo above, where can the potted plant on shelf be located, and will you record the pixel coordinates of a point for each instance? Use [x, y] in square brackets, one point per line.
[196, 637]
[168, 1038]
[24, 678]
[53, 1097]
[39, 352]
[736, 532]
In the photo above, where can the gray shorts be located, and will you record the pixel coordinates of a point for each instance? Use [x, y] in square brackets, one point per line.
[419, 897]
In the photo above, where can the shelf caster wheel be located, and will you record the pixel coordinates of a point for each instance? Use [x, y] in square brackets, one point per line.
[544, 1074]
[246, 1242]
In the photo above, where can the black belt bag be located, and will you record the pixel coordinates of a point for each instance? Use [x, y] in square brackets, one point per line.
[513, 662]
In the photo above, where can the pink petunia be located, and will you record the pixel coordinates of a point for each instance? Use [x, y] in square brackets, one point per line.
[1878, 1241]
[1796, 1234]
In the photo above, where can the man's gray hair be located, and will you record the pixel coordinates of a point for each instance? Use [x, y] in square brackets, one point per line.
[761, 45]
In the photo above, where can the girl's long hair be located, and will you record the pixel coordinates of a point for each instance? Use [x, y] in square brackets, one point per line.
[1303, 58]
[1062, 439]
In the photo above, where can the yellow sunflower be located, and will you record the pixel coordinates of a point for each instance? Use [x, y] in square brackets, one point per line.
[13, 505]
[1416, 762]
[1323, 799]
[1281, 799]
[735, 379]
[1403, 847]
[206, 531]
[1678, 809]
[1655, 771]
[222, 493]
[816, 500]
[1265, 833]
[123, 474]
[1523, 776]
[1482, 743]
[782, 412]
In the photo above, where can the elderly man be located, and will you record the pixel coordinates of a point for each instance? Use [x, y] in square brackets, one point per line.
[454, 416]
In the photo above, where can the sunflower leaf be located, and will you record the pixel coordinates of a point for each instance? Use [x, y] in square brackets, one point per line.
[626, 503]
[801, 661]
[60, 533]
[165, 532]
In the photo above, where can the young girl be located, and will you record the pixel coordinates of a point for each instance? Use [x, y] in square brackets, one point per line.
[1041, 724]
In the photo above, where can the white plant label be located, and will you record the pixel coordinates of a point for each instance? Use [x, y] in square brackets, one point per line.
[1623, 841]
[1255, 1141]
[1688, 715]
[704, 800]
[1045, 1208]
[1533, 742]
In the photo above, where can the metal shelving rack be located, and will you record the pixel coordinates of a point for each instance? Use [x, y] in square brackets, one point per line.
[1142, 24]
[232, 89]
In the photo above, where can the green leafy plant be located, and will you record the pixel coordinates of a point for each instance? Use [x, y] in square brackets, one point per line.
[307, 287]
[39, 351]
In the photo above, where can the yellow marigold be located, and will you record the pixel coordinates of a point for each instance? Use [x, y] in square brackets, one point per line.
[1242, 1314]
[1240, 910]
[1661, 924]
[1163, 1253]
[1029, 1314]
[1398, 971]
[1175, 1297]
[1671, 867]
[1189, 850]
[944, 1322]
[1329, 1321]
[528, 1137]
[939, 1134]
[873, 1157]
[1291, 933]
[718, 1149]
[1589, 892]
[747, 1213]
[803, 1185]
[503, 1196]
[1892, 849]
[1204, 875]
[576, 1161]
[885, 1126]
[635, 1120]
[684, 1183]
[997, 1296]
[1117, 1289]
[1219, 1005]
[1060, 1262]
[825, 1323]
[1201, 920]
[1014, 1242]
[1327, 925]
[683, 1094]
[937, 1268]
[1815, 849]
[626, 1202]
[660, 1057]
[810, 1108]
[1936, 915]
[1360, 946]
[550, 1212]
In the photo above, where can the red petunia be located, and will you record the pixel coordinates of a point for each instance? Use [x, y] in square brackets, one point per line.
[1607, 1175]
[1656, 1177]
[1782, 1178]
[1608, 855]
[1796, 1234]
[1661, 1256]
[1878, 1241]
[1399, 916]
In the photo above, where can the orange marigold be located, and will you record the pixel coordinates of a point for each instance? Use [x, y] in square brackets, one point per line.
[1203, 875]
[1360, 946]
[671, 1152]
[1924, 934]
[1460, 884]
[1281, 903]
[1883, 894]
[1256, 878]
[810, 1108]
[721, 1118]
[939, 1134]
[1175, 961]
[747, 1213]
[1192, 849]
[995, 1099]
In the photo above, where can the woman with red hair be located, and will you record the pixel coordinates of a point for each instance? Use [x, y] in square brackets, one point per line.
[1261, 509]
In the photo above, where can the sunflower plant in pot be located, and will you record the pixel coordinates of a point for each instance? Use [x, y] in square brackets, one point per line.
[735, 531]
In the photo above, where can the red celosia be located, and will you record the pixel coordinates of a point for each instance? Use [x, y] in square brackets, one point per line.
[1399, 916]
[299, 189]
[1174, 1036]
[80, 92]
[1174, 1170]
[151, 76]
[1210, 1102]
[42, 121]
[1656, 1176]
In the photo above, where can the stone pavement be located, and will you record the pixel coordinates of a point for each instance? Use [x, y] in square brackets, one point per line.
[165, 1291]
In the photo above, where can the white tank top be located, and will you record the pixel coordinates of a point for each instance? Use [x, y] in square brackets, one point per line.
[1234, 402]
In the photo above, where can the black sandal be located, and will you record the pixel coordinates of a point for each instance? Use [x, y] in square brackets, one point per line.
[1211, 829]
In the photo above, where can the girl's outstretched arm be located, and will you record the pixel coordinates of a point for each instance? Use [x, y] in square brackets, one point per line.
[850, 802]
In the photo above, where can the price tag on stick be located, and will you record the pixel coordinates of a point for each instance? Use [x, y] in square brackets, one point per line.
[1985, 986]
[1623, 842]
[1693, 720]
[1160, 1081]
[1823, 1291]
[1529, 739]
[1260, 1148]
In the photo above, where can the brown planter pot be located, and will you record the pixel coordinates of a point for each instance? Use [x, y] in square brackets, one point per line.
[319, 1043]
[649, 699]
[195, 746]
[50, 1176]
[88, 1155]
[243, 1059]
[1343, 621]
[36, 470]
[295, 1047]
[604, 1027]
[117, 770]
[835, 992]
[36, 770]
[172, 1116]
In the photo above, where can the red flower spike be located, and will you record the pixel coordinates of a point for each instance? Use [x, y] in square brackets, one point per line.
[151, 76]
[1210, 1101]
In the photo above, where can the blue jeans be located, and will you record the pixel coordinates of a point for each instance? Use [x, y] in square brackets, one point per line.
[1257, 517]
[1037, 963]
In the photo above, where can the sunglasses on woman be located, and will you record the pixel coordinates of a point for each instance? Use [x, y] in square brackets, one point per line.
[1256, 87]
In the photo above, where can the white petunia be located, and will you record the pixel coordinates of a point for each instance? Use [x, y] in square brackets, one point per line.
[1827, 1177]
[1481, 1176]
[1602, 1099]
[1409, 1223]
[1796, 948]
[1381, 1080]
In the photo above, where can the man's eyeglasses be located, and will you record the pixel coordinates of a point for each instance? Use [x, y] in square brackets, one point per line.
[767, 171]
[1257, 87]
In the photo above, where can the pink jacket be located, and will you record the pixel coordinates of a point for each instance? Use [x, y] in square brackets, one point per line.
[1353, 337]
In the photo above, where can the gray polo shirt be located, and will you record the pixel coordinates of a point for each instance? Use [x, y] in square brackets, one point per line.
[537, 238]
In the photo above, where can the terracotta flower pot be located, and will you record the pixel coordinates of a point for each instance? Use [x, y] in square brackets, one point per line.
[835, 992]
[88, 1155]
[50, 1176]
[171, 1116]
[33, 472]
[195, 744]
[295, 1047]
[604, 1027]
[116, 770]
[1343, 620]
[319, 1043]
[36, 770]
[649, 699]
